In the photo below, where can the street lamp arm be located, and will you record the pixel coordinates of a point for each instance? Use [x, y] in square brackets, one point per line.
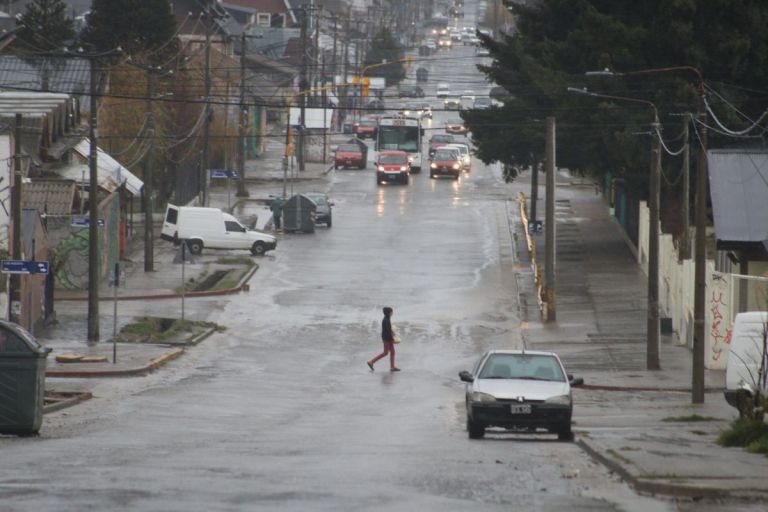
[585, 92]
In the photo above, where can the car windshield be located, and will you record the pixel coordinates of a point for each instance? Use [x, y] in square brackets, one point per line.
[368, 122]
[445, 155]
[461, 149]
[413, 106]
[392, 159]
[455, 121]
[522, 366]
[349, 148]
[319, 199]
[442, 138]
[483, 101]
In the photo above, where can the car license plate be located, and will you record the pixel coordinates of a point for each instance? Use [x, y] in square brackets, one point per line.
[520, 409]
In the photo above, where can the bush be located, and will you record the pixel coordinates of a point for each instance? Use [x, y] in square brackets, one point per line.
[745, 432]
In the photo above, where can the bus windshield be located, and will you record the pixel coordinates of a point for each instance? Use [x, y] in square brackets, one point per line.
[402, 138]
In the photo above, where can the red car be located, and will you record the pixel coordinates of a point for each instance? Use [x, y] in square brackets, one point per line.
[438, 140]
[393, 166]
[349, 155]
[445, 162]
[366, 128]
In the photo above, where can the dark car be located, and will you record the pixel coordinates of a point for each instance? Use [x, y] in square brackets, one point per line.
[422, 75]
[445, 162]
[410, 91]
[324, 211]
[520, 391]
[438, 140]
[349, 155]
[366, 128]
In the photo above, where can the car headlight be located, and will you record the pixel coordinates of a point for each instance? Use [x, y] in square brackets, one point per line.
[433, 166]
[410, 159]
[381, 167]
[403, 168]
[456, 166]
[482, 397]
[559, 399]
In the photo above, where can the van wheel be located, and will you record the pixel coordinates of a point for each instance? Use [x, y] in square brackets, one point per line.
[195, 246]
[258, 249]
[330, 222]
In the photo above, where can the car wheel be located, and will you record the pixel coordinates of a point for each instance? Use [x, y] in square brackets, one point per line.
[475, 430]
[330, 222]
[195, 246]
[565, 434]
[258, 249]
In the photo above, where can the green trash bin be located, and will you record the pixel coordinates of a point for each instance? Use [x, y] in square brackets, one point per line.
[22, 380]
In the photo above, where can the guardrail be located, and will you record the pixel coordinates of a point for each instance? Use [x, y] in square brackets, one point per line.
[538, 279]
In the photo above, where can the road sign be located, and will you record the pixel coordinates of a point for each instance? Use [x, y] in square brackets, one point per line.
[535, 227]
[24, 267]
[84, 222]
[223, 173]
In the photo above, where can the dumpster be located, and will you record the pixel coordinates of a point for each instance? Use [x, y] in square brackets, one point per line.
[22, 380]
[299, 214]
[362, 145]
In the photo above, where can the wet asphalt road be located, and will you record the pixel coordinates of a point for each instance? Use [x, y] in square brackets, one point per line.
[281, 413]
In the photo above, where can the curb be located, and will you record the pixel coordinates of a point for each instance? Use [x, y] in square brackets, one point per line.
[242, 286]
[128, 372]
[69, 402]
[651, 487]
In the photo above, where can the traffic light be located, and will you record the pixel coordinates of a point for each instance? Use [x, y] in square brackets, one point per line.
[366, 85]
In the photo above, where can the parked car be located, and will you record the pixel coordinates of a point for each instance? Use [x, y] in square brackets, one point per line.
[445, 162]
[463, 149]
[481, 103]
[439, 140]
[393, 166]
[746, 352]
[324, 210]
[456, 125]
[366, 128]
[452, 103]
[349, 155]
[443, 90]
[203, 227]
[410, 91]
[520, 391]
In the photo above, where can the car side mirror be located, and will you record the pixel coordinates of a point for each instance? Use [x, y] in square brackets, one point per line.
[465, 376]
[577, 382]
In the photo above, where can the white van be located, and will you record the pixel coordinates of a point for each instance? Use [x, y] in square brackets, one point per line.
[747, 349]
[212, 228]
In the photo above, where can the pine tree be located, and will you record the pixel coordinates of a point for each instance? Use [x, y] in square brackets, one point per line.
[45, 27]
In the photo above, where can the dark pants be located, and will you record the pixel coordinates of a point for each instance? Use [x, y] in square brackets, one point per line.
[276, 220]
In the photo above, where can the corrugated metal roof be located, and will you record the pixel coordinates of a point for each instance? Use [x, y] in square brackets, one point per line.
[738, 181]
[110, 172]
[64, 75]
[54, 197]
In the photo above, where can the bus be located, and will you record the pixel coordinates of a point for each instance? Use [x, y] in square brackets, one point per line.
[401, 134]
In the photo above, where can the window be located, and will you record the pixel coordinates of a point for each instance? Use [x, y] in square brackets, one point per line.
[519, 366]
[231, 226]
[172, 216]
[263, 20]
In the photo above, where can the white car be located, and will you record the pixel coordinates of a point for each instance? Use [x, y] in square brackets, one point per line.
[520, 391]
[463, 149]
[443, 90]
[452, 104]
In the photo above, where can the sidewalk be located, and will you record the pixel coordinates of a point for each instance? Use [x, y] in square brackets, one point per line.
[157, 293]
[637, 422]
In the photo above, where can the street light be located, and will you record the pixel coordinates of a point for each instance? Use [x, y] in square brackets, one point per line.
[653, 328]
[700, 247]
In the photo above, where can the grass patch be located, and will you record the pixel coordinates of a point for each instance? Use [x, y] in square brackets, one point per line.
[239, 260]
[159, 330]
[616, 455]
[689, 418]
[752, 434]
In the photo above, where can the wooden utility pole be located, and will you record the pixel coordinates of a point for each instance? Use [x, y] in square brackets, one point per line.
[93, 213]
[205, 175]
[534, 191]
[549, 269]
[302, 88]
[653, 334]
[14, 291]
[700, 273]
[685, 239]
[149, 253]
[241, 190]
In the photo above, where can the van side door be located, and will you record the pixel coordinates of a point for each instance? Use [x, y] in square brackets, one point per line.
[236, 235]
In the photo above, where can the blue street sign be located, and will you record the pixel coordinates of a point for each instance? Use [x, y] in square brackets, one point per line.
[223, 173]
[84, 222]
[24, 267]
[535, 227]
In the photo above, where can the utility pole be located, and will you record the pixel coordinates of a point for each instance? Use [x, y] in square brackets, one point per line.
[549, 269]
[685, 239]
[302, 88]
[14, 292]
[205, 175]
[700, 272]
[534, 191]
[345, 63]
[241, 190]
[93, 214]
[149, 253]
[653, 334]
